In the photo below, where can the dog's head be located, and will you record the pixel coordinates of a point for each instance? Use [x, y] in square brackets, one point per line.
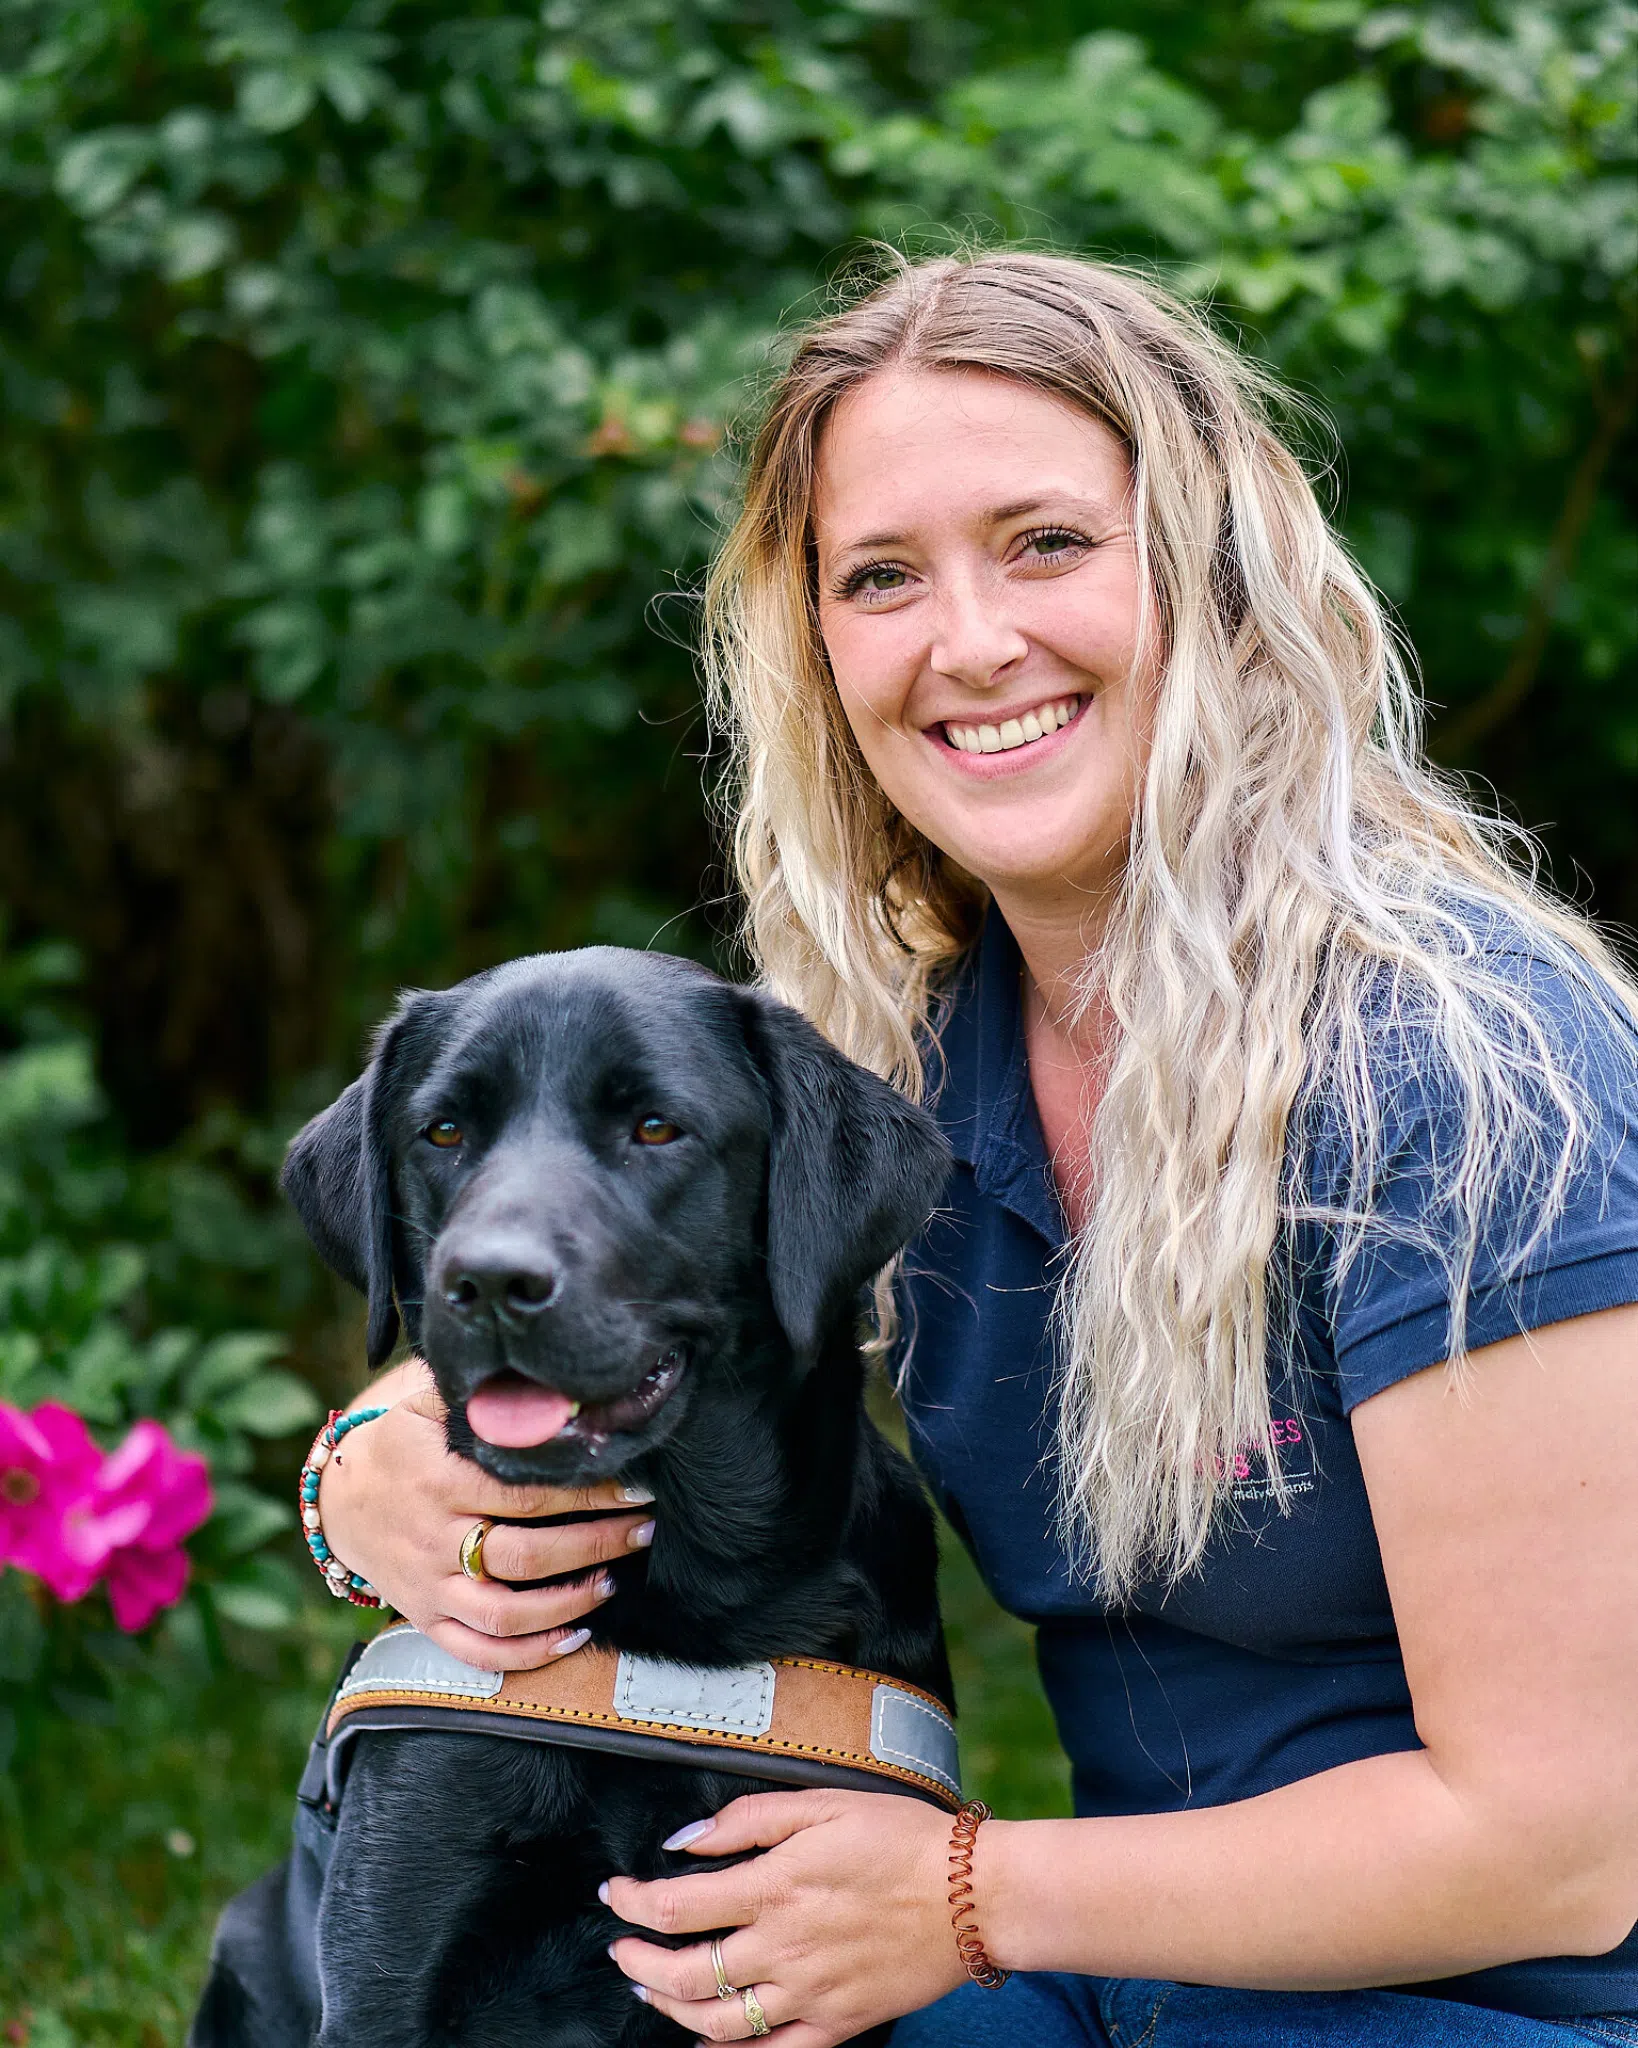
[570, 1176]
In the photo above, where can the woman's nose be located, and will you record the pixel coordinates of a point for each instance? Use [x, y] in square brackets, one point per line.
[974, 640]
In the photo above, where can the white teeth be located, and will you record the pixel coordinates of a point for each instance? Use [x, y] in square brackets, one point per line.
[1013, 732]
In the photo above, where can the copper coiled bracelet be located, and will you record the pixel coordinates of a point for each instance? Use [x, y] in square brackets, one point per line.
[969, 1942]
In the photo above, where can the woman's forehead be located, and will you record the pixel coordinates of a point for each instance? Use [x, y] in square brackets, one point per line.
[908, 445]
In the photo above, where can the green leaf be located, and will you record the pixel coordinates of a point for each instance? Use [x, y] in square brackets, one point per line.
[94, 174]
[272, 101]
[243, 1519]
[271, 1404]
[226, 1364]
[22, 1632]
[254, 1607]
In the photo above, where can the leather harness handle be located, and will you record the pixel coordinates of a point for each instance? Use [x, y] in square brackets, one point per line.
[806, 1720]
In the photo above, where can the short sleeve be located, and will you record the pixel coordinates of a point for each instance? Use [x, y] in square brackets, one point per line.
[1389, 1308]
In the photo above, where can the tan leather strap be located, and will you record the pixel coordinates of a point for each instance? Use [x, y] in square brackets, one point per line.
[798, 1719]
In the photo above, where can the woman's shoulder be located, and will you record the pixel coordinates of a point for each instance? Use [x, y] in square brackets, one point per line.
[1499, 1001]
[1470, 1142]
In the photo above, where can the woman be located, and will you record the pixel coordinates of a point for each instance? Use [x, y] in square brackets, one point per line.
[1277, 1352]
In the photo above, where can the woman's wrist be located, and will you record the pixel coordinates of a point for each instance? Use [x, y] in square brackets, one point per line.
[386, 1389]
[341, 1579]
[1004, 1891]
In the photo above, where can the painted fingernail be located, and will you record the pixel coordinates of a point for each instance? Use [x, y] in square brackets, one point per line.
[695, 1831]
[603, 1891]
[640, 1991]
[604, 1586]
[570, 1642]
[639, 1496]
[641, 1537]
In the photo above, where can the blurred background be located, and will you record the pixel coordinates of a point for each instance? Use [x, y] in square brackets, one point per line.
[370, 377]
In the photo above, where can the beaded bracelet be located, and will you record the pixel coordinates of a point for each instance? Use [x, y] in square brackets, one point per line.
[344, 1584]
[969, 1942]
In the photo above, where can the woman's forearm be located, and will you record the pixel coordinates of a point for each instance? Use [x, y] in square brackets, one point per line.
[1373, 1873]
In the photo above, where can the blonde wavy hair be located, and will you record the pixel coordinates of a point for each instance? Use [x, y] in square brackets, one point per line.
[1301, 887]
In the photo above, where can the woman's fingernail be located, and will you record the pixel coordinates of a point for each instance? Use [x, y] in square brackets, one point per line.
[570, 1642]
[604, 1587]
[639, 1496]
[640, 1991]
[612, 1956]
[695, 1831]
[603, 1891]
[641, 1537]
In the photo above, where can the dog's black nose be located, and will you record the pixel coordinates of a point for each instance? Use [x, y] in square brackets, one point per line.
[511, 1286]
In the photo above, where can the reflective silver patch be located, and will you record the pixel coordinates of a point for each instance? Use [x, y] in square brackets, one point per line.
[403, 1660]
[733, 1702]
[908, 1732]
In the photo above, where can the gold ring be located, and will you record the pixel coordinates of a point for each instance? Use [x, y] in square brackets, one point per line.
[724, 1988]
[754, 2013]
[472, 1550]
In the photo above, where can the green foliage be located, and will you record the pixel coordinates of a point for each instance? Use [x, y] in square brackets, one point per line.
[121, 1843]
[367, 370]
[83, 1322]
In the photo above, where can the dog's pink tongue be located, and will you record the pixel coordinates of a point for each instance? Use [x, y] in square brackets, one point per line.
[515, 1413]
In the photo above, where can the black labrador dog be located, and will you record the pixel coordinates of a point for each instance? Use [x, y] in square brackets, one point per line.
[607, 1179]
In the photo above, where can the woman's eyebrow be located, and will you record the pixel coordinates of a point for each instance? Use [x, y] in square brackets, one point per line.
[997, 515]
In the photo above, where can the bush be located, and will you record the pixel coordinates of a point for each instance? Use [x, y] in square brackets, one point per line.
[82, 1324]
[367, 371]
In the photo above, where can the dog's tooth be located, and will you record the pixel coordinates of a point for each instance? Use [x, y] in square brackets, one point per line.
[956, 737]
[989, 740]
[1031, 726]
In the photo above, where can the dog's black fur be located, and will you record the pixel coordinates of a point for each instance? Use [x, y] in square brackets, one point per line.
[460, 1909]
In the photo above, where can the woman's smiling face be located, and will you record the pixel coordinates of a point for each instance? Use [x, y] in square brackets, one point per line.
[980, 603]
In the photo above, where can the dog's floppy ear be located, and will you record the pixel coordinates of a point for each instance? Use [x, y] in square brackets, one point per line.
[853, 1170]
[337, 1176]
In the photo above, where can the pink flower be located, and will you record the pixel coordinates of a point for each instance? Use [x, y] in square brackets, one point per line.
[48, 1466]
[69, 1515]
[147, 1497]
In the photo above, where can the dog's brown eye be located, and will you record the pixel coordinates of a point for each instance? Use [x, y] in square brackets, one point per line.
[654, 1130]
[444, 1133]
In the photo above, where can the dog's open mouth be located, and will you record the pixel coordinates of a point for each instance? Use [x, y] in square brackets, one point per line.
[514, 1413]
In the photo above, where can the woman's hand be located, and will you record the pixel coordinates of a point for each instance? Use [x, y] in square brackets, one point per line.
[844, 1922]
[395, 1503]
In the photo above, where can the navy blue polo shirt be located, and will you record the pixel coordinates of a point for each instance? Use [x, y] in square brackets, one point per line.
[1278, 1657]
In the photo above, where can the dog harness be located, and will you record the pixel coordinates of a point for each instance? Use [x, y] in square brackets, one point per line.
[796, 1720]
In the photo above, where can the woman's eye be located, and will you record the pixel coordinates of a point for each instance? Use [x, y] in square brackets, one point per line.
[877, 579]
[444, 1133]
[655, 1130]
[1052, 541]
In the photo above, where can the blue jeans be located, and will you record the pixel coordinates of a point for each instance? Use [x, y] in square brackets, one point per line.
[1119, 2012]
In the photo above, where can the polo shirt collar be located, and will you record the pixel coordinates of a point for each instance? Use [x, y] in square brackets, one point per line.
[984, 1101]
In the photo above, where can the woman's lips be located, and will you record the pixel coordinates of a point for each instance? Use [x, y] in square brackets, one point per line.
[1004, 745]
[1007, 735]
